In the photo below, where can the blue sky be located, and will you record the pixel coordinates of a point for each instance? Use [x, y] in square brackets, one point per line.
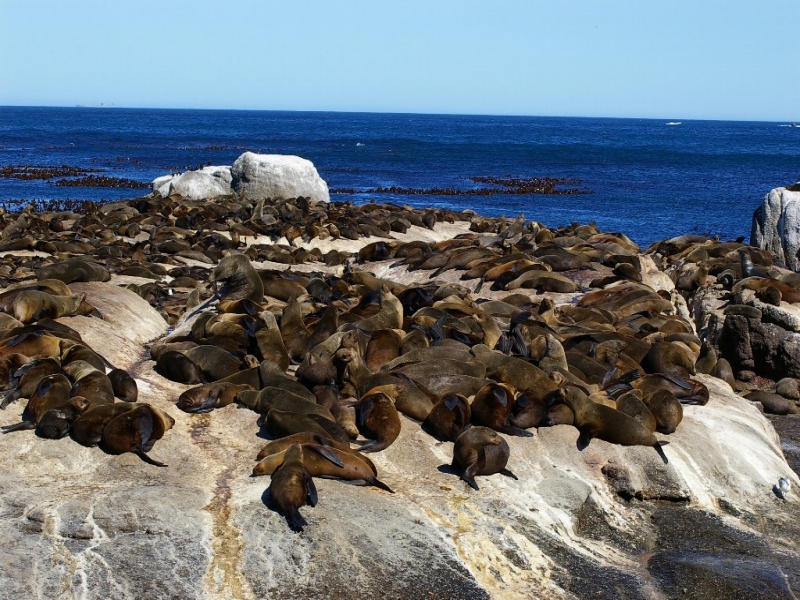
[705, 59]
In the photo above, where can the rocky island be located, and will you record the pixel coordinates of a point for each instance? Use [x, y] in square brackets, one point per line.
[628, 386]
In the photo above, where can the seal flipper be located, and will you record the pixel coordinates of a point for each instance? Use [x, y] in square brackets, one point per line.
[660, 451]
[21, 426]
[311, 489]
[468, 475]
[379, 484]
[511, 430]
[326, 452]
[141, 454]
[7, 397]
[583, 440]
[508, 473]
[295, 520]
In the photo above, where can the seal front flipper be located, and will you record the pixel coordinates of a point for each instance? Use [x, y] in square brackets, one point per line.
[469, 476]
[583, 440]
[326, 453]
[311, 489]
[295, 519]
[511, 430]
[660, 451]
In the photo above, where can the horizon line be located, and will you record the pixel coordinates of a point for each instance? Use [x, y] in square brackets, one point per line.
[112, 106]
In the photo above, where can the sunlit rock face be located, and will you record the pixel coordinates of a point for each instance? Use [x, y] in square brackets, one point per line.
[203, 184]
[608, 521]
[776, 225]
[277, 177]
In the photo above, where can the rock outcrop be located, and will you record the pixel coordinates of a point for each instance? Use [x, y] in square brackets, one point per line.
[608, 520]
[204, 184]
[277, 177]
[776, 225]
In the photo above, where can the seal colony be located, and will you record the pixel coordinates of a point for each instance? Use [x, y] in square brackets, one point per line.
[508, 327]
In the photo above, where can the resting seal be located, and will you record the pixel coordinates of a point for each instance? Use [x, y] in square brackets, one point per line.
[481, 451]
[292, 487]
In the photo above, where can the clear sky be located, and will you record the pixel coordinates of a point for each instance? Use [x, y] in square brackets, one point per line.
[677, 59]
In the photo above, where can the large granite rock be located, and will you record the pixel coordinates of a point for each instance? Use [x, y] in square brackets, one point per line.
[203, 184]
[605, 522]
[776, 225]
[276, 177]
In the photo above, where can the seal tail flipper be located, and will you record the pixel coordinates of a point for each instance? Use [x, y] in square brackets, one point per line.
[508, 473]
[295, 520]
[141, 454]
[660, 450]
[379, 484]
[21, 426]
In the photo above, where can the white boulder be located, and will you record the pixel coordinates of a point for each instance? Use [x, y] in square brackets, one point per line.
[277, 177]
[776, 225]
[206, 183]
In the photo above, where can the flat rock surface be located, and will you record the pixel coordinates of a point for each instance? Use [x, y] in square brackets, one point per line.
[605, 522]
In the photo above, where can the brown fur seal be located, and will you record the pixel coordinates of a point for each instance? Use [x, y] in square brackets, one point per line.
[304, 437]
[493, 407]
[178, 367]
[281, 423]
[234, 278]
[377, 420]
[56, 422]
[136, 431]
[605, 423]
[124, 385]
[205, 398]
[294, 332]
[390, 315]
[291, 487]
[688, 391]
[270, 342]
[481, 451]
[87, 429]
[448, 418]
[670, 359]
[28, 377]
[528, 411]
[74, 270]
[32, 305]
[773, 403]
[632, 405]
[666, 409]
[328, 462]
[51, 392]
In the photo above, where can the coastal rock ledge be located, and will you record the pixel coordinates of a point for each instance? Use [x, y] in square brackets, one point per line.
[606, 522]
[776, 225]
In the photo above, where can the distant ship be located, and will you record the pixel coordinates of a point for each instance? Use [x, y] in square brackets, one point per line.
[674, 123]
[101, 105]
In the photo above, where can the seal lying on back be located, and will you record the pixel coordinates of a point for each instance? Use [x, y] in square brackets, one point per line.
[292, 487]
[481, 451]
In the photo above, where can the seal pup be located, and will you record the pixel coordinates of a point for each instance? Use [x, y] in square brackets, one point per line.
[291, 487]
[480, 451]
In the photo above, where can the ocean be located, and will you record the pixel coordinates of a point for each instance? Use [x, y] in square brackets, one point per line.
[651, 179]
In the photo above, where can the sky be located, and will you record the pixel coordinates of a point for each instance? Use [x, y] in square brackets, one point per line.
[698, 59]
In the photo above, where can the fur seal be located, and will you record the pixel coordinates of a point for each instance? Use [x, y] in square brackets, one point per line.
[328, 462]
[377, 420]
[448, 418]
[32, 305]
[282, 423]
[294, 332]
[292, 486]
[51, 392]
[178, 367]
[234, 278]
[28, 377]
[304, 437]
[481, 451]
[124, 385]
[87, 429]
[56, 422]
[598, 421]
[493, 407]
[205, 398]
[631, 404]
[270, 342]
[136, 431]
[670, 359]
[666, 409]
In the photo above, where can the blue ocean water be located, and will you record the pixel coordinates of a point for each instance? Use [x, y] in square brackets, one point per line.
[647, 179]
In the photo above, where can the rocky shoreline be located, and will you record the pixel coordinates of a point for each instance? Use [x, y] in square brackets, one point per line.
[605, 521]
